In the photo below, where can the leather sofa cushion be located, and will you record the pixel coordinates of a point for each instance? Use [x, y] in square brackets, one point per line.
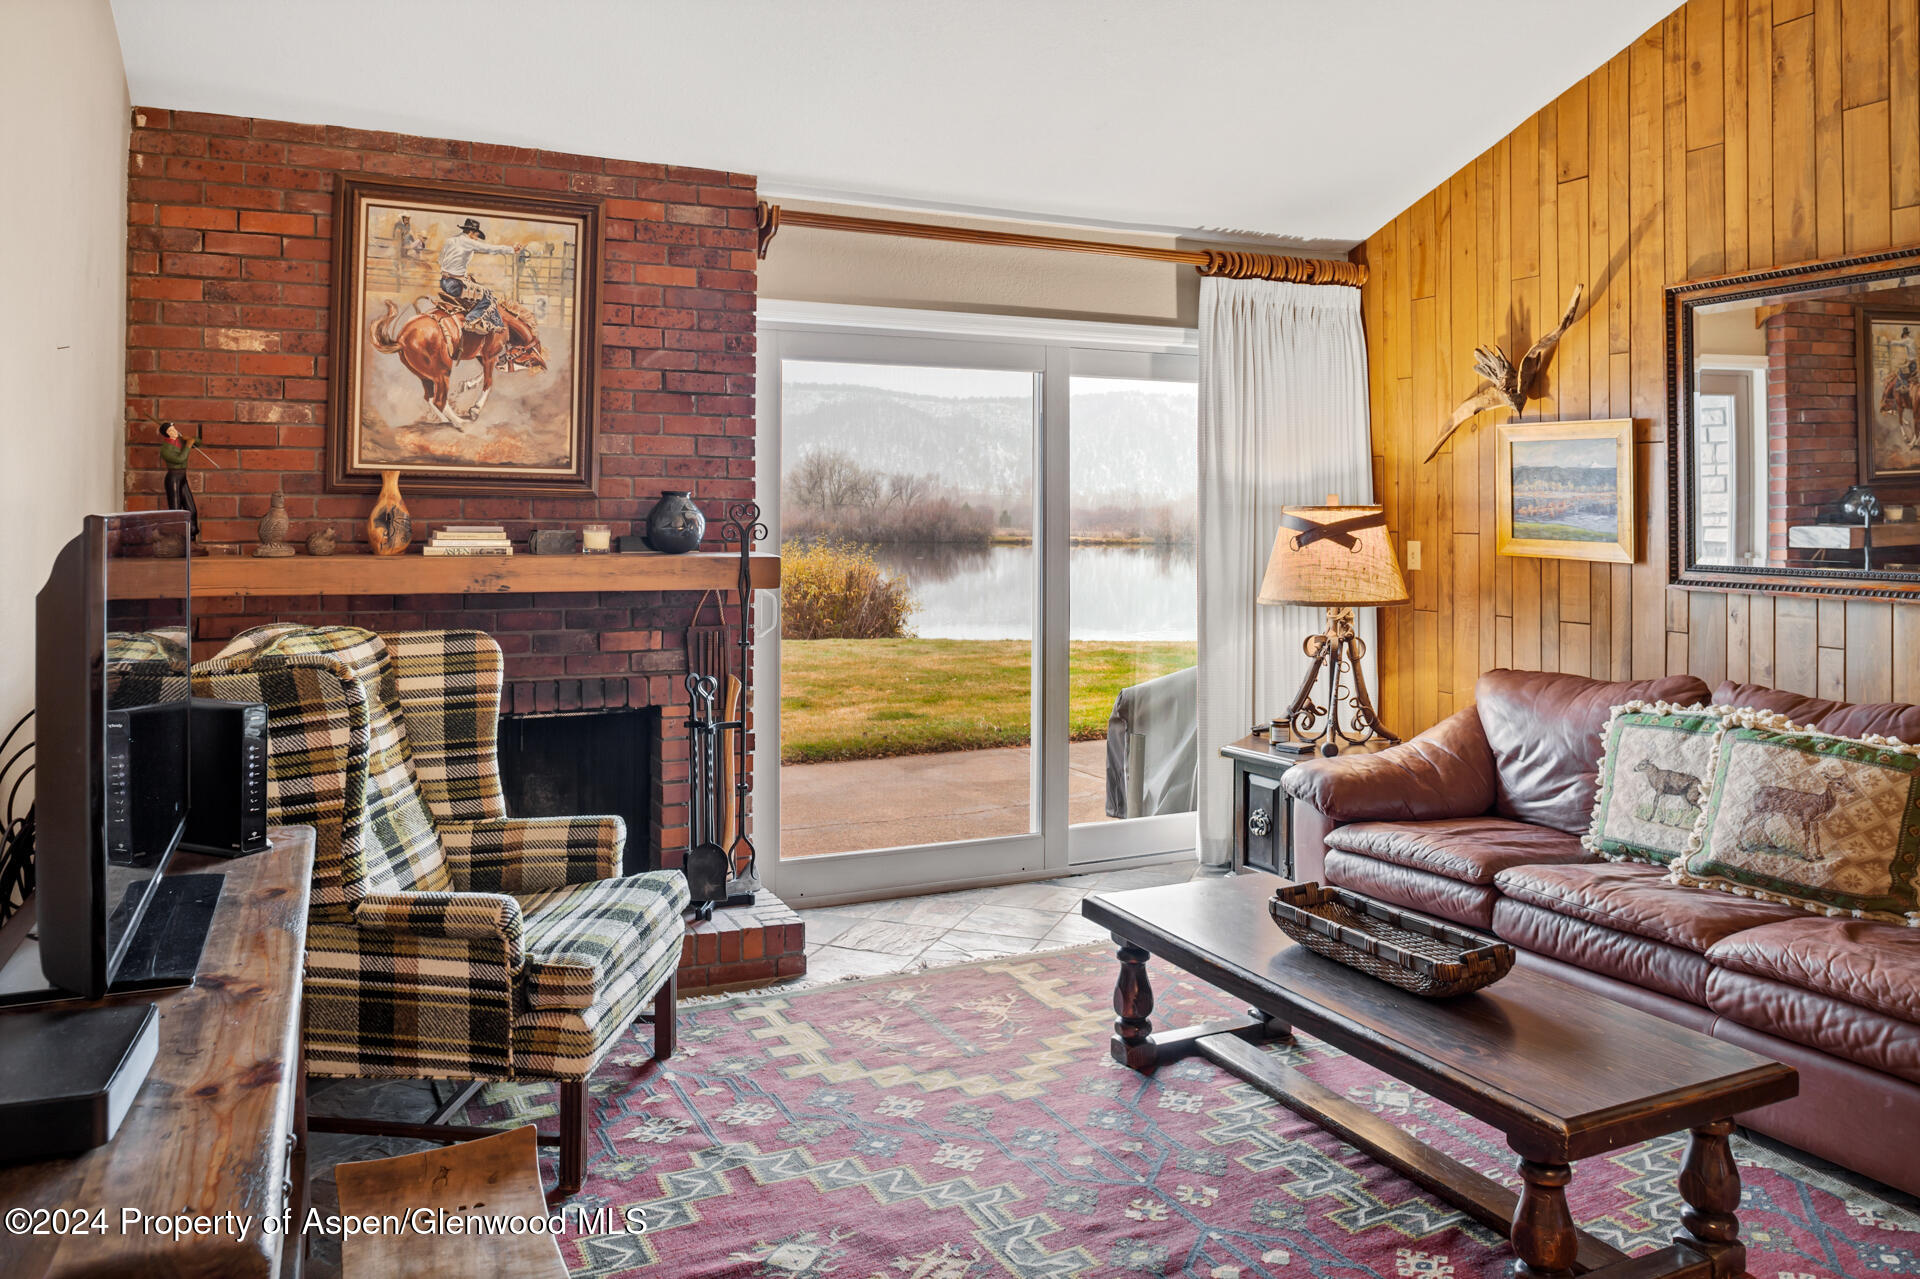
[1638, 899]
[1875, 966]
[1470, 849]
[1594, 948]
[1430, 894]
[1681, 1012]
[1544, 732]
[1842, 719]
[1817, 1020]
[1446, 771]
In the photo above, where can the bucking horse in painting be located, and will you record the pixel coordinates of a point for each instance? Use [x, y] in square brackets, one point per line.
[1901, 401]
[433, 343]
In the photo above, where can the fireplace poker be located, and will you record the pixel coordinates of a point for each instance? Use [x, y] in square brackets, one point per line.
[742, 529]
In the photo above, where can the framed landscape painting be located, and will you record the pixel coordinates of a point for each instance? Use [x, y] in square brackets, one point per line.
[465, 339]
[1565, 490]
[1887, 346]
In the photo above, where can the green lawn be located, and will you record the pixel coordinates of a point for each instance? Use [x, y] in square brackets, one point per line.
[868, 699]
[1560, 533]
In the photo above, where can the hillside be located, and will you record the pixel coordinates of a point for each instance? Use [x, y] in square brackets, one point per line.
[1143, 445]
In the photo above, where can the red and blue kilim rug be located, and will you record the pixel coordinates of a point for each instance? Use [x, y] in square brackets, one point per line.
[966, 1123]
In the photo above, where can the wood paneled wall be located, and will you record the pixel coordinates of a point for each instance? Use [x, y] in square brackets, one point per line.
[1736, 134]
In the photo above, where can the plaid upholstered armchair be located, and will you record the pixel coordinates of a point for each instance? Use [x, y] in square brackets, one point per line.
[446, 940]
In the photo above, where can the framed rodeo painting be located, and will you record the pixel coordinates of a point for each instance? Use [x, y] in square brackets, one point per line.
[465, 337]
[1887, 349]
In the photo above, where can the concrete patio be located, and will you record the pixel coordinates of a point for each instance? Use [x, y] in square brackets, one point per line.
[926, 799]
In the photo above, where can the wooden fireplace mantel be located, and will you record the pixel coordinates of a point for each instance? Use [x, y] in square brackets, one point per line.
[226, 576]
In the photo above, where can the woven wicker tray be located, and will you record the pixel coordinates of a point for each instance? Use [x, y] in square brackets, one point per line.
[1403, 949]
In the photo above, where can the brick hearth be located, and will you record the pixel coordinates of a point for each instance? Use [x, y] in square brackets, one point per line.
[745, 945]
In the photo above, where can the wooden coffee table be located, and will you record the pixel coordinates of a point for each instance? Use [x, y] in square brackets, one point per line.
[1563, 1073]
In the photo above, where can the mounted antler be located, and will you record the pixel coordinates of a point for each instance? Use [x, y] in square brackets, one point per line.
[1504, 385]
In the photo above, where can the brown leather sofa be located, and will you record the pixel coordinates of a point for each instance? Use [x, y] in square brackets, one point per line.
[1478, 820]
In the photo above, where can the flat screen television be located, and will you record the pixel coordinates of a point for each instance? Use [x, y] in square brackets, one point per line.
[112, 713]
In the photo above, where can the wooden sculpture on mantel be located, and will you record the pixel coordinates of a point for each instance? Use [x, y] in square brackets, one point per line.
[1506, 386]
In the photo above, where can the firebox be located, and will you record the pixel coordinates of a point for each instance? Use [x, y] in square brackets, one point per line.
[592, 763]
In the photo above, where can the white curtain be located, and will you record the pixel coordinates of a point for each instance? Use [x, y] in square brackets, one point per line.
[1283, 422]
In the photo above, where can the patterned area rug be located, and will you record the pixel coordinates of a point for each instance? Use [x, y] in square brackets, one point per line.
[966, 1123]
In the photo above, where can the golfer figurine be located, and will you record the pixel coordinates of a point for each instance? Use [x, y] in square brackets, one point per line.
[175, 453]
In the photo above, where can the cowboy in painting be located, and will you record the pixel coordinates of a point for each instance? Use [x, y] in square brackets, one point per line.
[461, 289]
[467, 322]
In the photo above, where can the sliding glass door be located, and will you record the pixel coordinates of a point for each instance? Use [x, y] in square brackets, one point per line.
[1132, 640]
[987, 562]
[907, 613]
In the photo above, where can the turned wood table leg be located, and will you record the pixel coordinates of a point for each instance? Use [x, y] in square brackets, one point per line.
[1543, 1236]
[1271, 1027]
[1132, 1002]
[1710, 1185]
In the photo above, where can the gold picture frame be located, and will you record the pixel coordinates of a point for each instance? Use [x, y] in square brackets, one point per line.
[1566, 490]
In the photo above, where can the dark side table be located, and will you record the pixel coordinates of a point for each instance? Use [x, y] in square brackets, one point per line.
[1262, 812]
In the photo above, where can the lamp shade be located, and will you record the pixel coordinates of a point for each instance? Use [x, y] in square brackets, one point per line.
[1332, 557]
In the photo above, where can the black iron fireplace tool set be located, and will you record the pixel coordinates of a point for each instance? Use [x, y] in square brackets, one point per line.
[721, 864]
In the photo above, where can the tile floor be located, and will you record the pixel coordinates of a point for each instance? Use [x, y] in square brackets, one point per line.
[902, 934]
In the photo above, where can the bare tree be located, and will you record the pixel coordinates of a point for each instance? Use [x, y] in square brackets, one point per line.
[904, 492]
[830, 480]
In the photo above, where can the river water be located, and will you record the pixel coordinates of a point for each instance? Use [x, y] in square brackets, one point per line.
[1118, 592]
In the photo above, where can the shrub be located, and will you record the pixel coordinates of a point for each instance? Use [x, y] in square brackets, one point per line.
[834, 590]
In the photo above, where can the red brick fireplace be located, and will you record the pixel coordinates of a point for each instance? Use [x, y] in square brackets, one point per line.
[229, 245]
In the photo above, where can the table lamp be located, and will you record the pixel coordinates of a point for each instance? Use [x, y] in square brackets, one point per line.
[1338, 558]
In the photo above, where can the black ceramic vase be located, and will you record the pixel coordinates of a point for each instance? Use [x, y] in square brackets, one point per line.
[675, 525]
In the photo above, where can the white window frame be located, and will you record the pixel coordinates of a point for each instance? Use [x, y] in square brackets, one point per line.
[1055, 351]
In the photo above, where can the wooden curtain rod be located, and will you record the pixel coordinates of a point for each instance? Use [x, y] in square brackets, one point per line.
[1227, 262]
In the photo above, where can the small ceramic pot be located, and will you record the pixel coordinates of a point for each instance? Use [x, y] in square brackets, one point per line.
[675, 525]
[322, 541]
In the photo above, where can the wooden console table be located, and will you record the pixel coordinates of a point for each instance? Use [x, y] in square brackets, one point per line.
[219, 1126]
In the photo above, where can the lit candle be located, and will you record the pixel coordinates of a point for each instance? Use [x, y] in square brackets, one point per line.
[595, 539]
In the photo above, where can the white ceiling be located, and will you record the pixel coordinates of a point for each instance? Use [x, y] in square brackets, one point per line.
[1311, 119]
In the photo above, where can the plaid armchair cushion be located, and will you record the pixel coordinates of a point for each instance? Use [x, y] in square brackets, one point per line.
[316, 762]
[566, 1043]
[384, 1003]
[532, 854]
[353, 693]
[448, 684]
[464, 916]
[583, 940]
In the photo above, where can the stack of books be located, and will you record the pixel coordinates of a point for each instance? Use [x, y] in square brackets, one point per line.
[468, 539]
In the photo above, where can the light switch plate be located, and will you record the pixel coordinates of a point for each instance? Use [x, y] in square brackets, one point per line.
[1413, 556]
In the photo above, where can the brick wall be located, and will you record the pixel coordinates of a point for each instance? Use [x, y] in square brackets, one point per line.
[1813, 453]
[229, 226]
[229, 248]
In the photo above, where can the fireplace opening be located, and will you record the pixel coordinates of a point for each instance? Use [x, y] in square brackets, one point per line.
[598, 762]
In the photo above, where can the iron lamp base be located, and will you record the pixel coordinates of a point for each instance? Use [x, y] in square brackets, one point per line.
[1337, 651]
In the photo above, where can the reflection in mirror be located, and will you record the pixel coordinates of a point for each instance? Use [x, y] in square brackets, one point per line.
[1803, 447]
